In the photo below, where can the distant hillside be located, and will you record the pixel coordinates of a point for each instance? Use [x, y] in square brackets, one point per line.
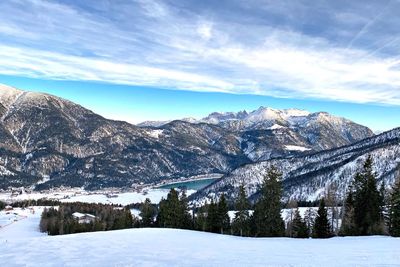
[307, 177]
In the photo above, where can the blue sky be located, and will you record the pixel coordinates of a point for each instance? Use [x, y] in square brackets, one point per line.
[153, 60]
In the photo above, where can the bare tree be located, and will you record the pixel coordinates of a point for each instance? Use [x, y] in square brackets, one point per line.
[292, 206]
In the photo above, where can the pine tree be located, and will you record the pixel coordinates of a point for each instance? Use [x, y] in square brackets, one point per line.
[394, 211]
[348, 227]
[168, 211]
[212, 218]
[200, 220]
[299, 227]
[128, 218]
[383, 205]
[321, 225]
[367, 201]
[223, 216]
[147, 213]
[267, 212]
[184, 218]
[240, 224]
[162, 213]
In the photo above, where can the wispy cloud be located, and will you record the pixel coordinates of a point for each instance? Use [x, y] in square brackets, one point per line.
[257, 48]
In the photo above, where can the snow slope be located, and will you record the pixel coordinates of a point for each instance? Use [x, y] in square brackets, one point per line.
[171, 247]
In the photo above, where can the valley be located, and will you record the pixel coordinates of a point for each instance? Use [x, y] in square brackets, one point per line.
[113, 195]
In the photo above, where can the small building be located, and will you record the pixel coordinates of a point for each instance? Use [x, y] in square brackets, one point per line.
[84, 217]
[8, 208]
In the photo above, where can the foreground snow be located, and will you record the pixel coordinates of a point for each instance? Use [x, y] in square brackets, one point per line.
[23, 245]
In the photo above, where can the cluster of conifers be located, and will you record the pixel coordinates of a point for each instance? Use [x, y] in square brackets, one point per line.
[369, 211]
[59, 221]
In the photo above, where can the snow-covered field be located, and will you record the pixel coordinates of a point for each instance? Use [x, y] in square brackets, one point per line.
[23, 245]
[154, 194]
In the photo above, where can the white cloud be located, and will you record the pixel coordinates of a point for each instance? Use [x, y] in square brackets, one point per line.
[36, 63]
[205, 31]
[153, 44]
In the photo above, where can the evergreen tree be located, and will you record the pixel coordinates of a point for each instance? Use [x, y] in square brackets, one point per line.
[2, 205]
[348, 227]
[184, 217]
[394, 211]
[267, 212]
[367, 201]
[299, 227]
[383, 204]
[212, 218]
[147, 213]
[127, 214]
[174, 211]
[382, 197]
[223, 216]
[168, 211]
[200, 220]
[321, 225]
[162, 213]
[241, 222]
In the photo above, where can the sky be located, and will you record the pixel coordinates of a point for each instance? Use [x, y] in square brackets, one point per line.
[139, 60]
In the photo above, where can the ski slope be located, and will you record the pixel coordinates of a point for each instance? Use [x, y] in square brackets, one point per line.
[23, 245]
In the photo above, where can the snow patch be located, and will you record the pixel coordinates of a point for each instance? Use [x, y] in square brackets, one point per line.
[155, 133]
[296, 148]
[276, 126]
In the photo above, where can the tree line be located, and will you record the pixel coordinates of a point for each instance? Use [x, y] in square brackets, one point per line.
[265, 221]
[59, 220]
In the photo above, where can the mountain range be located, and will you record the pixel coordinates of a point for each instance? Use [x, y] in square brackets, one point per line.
[270, 133]
[47, 141]
[308, 177]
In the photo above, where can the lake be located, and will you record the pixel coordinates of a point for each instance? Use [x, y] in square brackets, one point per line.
[190, 185]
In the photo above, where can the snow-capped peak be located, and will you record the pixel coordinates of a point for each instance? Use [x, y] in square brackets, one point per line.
[8, 94]
[5, 89]
[263, 114]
